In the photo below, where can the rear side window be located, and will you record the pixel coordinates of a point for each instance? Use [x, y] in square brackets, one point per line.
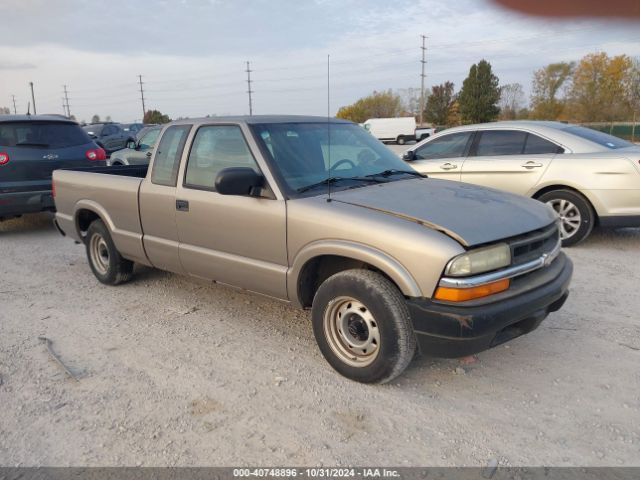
[537, 145]
[167, 159]
[42, 134]
[500, 142]
[447, 146]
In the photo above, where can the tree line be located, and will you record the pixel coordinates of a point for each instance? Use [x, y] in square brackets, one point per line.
[598, 88]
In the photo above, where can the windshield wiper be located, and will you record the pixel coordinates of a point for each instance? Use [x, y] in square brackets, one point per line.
[331, 180]
[390, 172]
[31, 144]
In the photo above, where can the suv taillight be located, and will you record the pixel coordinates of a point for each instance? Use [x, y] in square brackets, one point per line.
[4, 158]
[96, 154]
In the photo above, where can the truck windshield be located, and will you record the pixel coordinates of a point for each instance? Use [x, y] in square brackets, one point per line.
[306, 154]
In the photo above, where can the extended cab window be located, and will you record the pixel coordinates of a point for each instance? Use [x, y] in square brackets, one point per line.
[447, 146]
[167, 159]
[538, 145]
[500, 142]
[214, 148]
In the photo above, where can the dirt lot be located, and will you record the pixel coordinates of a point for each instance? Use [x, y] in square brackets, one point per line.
[175, 372]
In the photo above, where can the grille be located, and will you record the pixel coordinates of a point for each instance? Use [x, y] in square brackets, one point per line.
[532, 245]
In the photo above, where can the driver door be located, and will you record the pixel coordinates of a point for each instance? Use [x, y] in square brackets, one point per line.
[443, 156]
[232, 239]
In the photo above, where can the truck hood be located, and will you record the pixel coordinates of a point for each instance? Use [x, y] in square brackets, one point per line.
[470, 214]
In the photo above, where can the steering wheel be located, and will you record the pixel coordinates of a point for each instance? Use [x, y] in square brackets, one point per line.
[342, 162]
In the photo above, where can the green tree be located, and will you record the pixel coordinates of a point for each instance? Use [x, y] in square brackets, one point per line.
[600, 88]
[155, 116]
[511, 101]
[479, 96]
[108, 119]
[376, 105]
[95, 119]
[439, 104]
[5, 111]
[548, 82]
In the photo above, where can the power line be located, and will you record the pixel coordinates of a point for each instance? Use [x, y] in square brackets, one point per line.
[423, 61]
[33, 98]
[66, 101]
[249, 91]
[144, 111]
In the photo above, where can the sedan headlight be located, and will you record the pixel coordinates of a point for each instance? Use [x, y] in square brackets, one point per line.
[479, 261]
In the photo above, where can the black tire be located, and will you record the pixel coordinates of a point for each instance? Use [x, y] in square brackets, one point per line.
[385, 312]
[104, 259]
[401, 140]
[577, 220]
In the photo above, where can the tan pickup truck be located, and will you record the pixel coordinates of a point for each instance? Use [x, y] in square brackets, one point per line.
[318, 213]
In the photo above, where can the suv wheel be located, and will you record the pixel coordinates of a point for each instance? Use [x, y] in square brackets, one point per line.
[362, 326]
[105, 261]
[577, 217]
[401, 140]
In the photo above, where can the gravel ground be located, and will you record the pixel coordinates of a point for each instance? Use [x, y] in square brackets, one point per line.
[176, 372]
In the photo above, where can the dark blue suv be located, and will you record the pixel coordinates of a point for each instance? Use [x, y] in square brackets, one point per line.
[31, 148]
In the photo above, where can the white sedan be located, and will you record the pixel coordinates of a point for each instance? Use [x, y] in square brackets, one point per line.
[590, 178]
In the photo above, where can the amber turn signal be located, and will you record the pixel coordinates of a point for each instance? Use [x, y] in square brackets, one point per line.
[463, 294]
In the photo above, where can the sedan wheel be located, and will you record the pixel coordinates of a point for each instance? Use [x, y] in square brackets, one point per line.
[570, 218]
[575, 214]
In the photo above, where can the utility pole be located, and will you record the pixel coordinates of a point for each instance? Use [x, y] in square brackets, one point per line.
[66, 97]
[33, 98]
[249, 91]
[422, 75]
[144, 110]
[14, 104]
[64, 108]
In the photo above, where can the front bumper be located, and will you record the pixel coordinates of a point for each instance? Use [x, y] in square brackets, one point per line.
[18, 203]
[449, 330]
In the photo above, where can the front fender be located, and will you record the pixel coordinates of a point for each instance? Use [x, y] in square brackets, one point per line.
[379, 259]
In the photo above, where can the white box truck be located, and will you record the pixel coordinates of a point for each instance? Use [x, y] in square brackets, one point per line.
[399, 129]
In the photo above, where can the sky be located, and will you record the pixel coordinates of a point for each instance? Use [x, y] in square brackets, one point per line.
[192, 54]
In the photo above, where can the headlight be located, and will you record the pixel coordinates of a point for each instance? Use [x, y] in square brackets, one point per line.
[479, 261]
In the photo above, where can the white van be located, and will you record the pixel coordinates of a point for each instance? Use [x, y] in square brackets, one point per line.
[399, 130]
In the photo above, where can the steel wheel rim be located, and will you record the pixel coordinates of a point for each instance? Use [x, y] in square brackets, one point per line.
[351, 331]
[99, 253]
[570, 218]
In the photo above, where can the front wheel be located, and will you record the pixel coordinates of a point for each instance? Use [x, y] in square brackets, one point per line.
[362, 326]
[577, 217]
[104, 259]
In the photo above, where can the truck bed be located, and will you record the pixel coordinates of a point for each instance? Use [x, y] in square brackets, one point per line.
[112, 193]
[138, 171]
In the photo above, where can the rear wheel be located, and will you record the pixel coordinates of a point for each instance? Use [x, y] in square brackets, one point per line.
[104, 259]
[577, 217]
[401, 140]
[362, 326]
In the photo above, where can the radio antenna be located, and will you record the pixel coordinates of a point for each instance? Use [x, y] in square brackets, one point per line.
[328, 133]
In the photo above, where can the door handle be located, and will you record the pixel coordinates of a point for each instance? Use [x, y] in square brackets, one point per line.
[448, 166]
[531, 165]
[149, 154]
[182, 205]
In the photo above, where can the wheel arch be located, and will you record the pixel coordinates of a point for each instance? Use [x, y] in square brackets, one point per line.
[558, 186]
[318, 261]
[86, 212]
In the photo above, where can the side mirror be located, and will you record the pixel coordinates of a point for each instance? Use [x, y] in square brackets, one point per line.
[409, 156]
[238, 181]
[132, 145]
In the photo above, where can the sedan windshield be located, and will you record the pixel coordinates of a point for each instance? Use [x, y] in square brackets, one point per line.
[601, 138]
[341, 154]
